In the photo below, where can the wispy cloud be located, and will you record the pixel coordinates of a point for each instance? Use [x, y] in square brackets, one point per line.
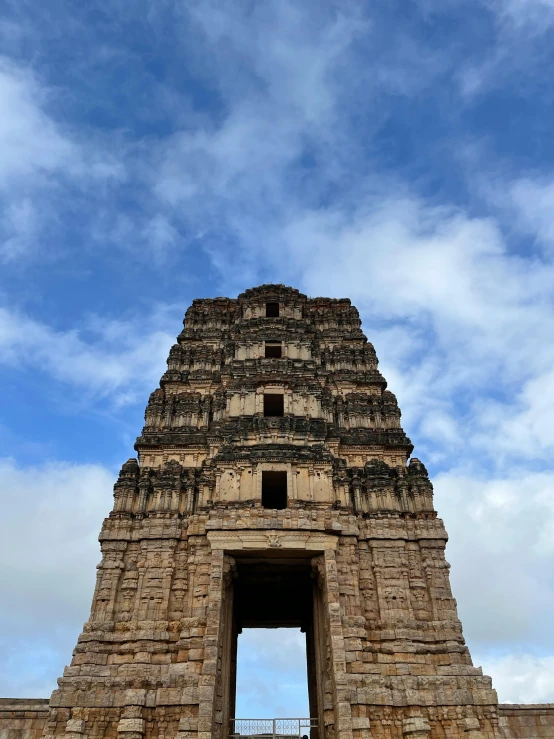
[32, 143]
[535, 15]
[462, 323]
[532, 202]
[106, 359]
[40, 158]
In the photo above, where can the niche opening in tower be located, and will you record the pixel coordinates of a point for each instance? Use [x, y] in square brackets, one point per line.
[273, 349]
[274, 404]
[272, 310]
[274, 490]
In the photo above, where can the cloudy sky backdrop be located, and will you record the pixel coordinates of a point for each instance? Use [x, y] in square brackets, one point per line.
[397, 153]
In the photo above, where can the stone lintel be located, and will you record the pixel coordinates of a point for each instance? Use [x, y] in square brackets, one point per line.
[271, 539]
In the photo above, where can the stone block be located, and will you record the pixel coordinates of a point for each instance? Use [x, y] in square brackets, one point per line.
[75, 726]
[188, 723]
[135, 698]
[130, 725]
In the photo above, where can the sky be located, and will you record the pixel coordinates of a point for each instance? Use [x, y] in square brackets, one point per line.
[396, 153]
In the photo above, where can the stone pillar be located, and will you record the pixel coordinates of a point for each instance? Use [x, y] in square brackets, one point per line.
[74, 729]
[472, 728]
[131, 724]
[216, 669]
[416, 727]
[343, 711]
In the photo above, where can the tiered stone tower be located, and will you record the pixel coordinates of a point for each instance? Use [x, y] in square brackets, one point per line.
[273, 487]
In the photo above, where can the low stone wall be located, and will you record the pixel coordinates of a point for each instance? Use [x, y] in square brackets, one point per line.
[22, 718]
[25, 718]
[526, 721]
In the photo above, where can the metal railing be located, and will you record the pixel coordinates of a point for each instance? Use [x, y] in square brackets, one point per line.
[272, 728]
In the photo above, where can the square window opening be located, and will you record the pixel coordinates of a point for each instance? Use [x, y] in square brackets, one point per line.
[274, 404]
[272, 310]
[273, 350]
[274, 490]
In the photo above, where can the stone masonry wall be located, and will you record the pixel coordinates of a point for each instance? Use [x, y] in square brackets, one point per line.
[23, 718]
[532, 721]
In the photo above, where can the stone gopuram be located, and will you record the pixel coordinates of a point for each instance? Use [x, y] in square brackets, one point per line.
[273, 487]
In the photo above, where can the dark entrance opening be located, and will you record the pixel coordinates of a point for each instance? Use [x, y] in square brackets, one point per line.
[274, 590]
[273, 349]
[274, 404]
[272, 310]
[274, 490]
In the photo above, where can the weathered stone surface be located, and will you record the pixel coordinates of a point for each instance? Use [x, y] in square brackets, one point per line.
[526, 721]
[23, 718]
[357, 542]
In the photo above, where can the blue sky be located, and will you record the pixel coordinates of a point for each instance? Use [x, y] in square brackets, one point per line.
[400, 154]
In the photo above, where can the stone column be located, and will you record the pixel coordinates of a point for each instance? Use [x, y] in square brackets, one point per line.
[416, 727]
[472, 729]
[131, 724]
[211, 712]
[74, 729]
[343, 711]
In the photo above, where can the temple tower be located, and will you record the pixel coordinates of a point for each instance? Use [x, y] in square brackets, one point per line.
[273, 487]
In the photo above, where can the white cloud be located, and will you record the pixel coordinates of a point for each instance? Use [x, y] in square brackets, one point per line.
[283, 73]
[48, 552]
[115, 359]
[275, 70]
[160, 235]
[521, 678]
[31, 143]
[39, 157]
[519, 50]
[501, 549]
[285, 50]
[524, 426]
